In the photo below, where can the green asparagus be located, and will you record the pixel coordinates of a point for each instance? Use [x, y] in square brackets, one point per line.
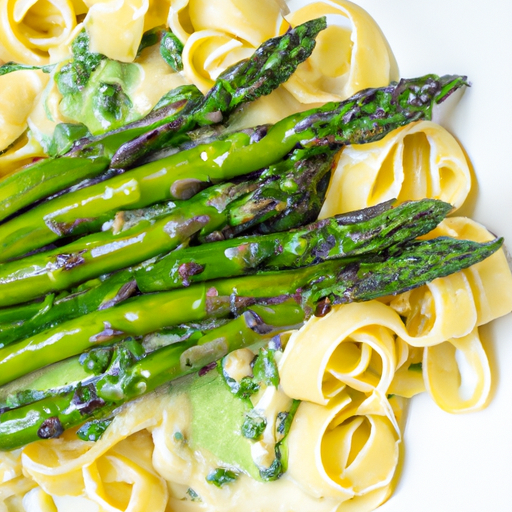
[129, 376]
[331, 282]
[366, 117]
[181, 111]
[365, 231]
[225, 209]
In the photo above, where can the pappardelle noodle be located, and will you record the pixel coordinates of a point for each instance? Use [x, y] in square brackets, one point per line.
[325, 420]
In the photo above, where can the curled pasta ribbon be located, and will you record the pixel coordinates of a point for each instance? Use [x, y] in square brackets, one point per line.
[208, 53]
[413, 162]
[37, 499]
[57, 465]
[491, 279]
[29, 29]
[323, 356]
[345, 449]
[246, 21]
[115, 27]
[19, 92]
[457, 374]
[351, 54]
[22, 152]
[348, 347]
[121, 481]
[218, 34]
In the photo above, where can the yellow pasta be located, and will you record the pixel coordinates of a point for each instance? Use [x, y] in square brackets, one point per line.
[352, 368]
[351, 55]
[115, 27]
[416, 161]
[19, 92]
[346, 449]
[29, 29]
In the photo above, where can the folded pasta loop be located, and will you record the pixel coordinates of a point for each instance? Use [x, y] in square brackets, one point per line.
[347, 448]
[208, 53]
[115, 27]
[457, 374]
[121, 480]
[416, 161]
[352, 54]
[491, 279]
[348, 347]
[19, 93]
[30, 28]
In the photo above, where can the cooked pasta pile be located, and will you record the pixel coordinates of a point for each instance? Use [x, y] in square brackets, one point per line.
[352, 369]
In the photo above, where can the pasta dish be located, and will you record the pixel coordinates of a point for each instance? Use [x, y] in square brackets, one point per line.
[150, 358]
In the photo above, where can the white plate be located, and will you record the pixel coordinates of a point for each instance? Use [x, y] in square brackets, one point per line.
[463, 463]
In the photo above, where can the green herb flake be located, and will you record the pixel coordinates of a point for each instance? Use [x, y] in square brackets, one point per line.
[221, 477]
[150, 38]
[10, 67]
[171, 49]
[416, 367]
[274, 471]
[193, 495]
[254, 425]
[265, 368]
[93, 430]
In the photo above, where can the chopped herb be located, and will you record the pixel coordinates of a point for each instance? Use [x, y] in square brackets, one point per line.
[178, 437]
[265, 368]
[243, 389]
[254, 424]
[97, 360]
[150, 38]
[221, 477]
[171, 49]
[10, 67]
[416, 367]
[75, 75]
[93, 430]
[390, 396]
[274, 471]
[193, 495]
[64, 136]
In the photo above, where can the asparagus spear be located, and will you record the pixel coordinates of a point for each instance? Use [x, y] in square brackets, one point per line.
[228, 208]
[272, 64]
[365, 231]
[316, 286]
[313, 289]
[129, 377]
[366, 117]
[28, 319]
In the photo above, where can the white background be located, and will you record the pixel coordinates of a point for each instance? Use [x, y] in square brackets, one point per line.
[463, 463]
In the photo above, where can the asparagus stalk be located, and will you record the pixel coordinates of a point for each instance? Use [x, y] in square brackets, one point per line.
[366, 231]
[317, 286]
[224, 209]
[184, 109]
[28, 319]
[366, 117]
[272, 63]
[129, 377]
[314, 290]
[361, 232]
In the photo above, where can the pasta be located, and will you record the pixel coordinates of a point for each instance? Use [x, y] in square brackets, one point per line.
[351, 369]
